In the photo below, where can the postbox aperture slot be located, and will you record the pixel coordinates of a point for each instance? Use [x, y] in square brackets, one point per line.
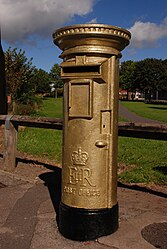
[68, 70]
[80, 99]
[97, 72]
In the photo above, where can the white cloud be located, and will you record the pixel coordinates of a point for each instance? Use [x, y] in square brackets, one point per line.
[147, 34]
[94, 20]
[21, 19]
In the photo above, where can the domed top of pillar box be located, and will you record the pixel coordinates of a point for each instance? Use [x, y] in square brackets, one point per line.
[91, 38]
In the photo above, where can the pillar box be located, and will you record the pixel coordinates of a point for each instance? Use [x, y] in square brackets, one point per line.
[90, 70]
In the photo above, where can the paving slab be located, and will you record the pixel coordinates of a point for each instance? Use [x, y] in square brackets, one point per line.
[137, 210]
[8, 198]
[28, 217]
[18, 229]
[46, 234]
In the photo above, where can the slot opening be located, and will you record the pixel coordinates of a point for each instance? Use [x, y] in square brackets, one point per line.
[81, 69]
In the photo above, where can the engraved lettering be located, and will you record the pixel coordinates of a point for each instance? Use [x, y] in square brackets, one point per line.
[86, 174]
[88, 192]
[80, 175]
[69, 190]
[73, 179]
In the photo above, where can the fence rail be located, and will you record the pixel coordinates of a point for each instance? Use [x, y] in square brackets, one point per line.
[12, 122]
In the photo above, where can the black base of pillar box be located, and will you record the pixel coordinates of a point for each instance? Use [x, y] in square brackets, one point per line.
[87, 224]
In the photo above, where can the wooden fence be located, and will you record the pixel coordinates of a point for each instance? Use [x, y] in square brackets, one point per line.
[12, 122]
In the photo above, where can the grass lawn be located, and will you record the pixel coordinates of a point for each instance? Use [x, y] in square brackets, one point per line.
[145, 160]
[39, 142]
[45, 143]
[152, 111]
[51, 107]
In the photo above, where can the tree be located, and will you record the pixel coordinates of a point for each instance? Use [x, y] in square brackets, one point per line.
[165, 75]
[150, 75]
[147, 76]
[127, 76]
[19, 71]
[55, 76]
[41, 81]
[3, 95]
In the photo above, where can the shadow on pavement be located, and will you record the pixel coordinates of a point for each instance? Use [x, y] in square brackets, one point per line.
[33, 161]
[53, 182]
[142, 189]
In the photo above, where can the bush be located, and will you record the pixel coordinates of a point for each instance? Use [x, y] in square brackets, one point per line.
[29, 108]
[22, 109]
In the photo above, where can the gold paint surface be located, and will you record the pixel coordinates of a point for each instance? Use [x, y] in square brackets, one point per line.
[90, 66]
[80, 92]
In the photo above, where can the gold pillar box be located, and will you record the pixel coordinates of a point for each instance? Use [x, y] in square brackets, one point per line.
[91, 53]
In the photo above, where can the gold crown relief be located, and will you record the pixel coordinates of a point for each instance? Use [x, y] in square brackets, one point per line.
[79, 157]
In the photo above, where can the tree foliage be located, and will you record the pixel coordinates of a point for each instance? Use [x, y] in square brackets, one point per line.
[145, 76]
[165, 75]
[150, 75]
[41, 81]
[3, 93]
[19, 71]
[55, 76]
[127, 75]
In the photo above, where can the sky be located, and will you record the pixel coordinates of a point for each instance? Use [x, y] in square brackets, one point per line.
[29, 24]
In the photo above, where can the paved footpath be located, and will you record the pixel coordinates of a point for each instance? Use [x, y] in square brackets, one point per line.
[133, 117]
[28, 216]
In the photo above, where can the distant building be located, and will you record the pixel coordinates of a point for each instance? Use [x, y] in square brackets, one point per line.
[148, 97]
[126, 95]
[156, 96]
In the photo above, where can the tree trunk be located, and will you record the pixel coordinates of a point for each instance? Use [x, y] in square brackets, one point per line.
[127, 96]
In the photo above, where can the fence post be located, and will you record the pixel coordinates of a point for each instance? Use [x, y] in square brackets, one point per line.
[10, 144]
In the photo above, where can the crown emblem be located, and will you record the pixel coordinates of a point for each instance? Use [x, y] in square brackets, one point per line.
[79, 157]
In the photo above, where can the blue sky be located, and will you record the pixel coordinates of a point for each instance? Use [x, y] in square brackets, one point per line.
[29, 24]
